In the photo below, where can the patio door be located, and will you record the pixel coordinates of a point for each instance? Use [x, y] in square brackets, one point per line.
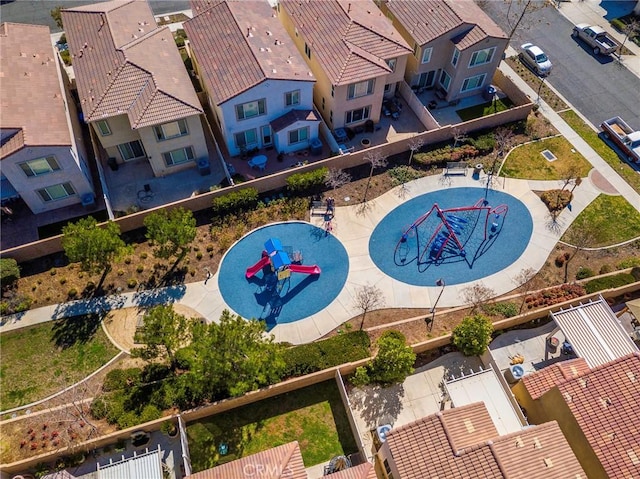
[427, 79]
[267, 136]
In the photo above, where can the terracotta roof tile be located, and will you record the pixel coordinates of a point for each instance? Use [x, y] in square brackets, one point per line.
[293, 116]
[541, 381]
[427, 20]
[124, 63]
[350, 39]
[31, 99]
[280, 462]
[361, 471]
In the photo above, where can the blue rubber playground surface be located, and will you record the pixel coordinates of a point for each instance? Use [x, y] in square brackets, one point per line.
[287, 300]
[481, 236]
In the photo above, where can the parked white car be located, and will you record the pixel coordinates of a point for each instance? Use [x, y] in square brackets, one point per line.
[536, 59]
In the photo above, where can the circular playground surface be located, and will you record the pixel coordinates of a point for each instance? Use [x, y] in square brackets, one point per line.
[456, 234]
[252, 287]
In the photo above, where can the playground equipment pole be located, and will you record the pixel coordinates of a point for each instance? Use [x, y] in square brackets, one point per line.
[439, 282]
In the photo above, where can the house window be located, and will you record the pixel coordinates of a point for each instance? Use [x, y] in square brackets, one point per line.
[171, 130]
[392, 63]
[307, 51]
[455, 57]
[445, 80]
[322, 103]
[359, 114]
[292, 98]
[482, 56]
[363, 88]
[426, 55]
[246, 139]
[56, 192]
[387, 469]
[40, 166]
[472, 83]
[103, 127]
[176, 157]
[131, 150]
[332, 91]
[387, 88]
[251, 109]
[331, 116]
[299, 135]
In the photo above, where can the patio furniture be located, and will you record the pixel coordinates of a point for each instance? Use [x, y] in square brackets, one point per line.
[340, 134]
[344, 149]
[259, 162]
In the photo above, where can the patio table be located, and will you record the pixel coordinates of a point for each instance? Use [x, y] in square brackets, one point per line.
[259, 161]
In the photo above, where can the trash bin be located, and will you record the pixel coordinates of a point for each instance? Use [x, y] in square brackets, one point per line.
[514, 373]
[203, 167]
[88, 200]
[489, 92]
[113, 163]
[315, 146]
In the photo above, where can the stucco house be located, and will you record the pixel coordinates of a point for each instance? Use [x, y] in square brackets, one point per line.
[133, 87]
[456, 46]
[354, 52]
[43, 158]
[258, 86]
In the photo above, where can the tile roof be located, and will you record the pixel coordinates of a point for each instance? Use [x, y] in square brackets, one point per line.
[350, 39]
[361, 471]
[541, 381]
[605, 403]
[281, 462]
[427, 20]
[124, 63]
[241, 44]
[595, 333]
[293, 116]
[31, 99]
[463, 443]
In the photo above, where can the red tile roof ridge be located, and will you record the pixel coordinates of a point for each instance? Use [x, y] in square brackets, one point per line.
[400, 42]
[101, 7]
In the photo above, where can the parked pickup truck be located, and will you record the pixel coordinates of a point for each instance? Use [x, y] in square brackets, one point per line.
[596, 37]
[617, 130]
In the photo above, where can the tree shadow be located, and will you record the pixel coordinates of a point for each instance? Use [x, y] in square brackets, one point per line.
[378, 405]
[96, 305]
[153, 297]
[71, 330]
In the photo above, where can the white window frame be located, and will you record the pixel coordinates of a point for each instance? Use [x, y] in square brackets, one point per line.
[360, 89]
[490, 52]
[127, 144]
[173, 129]
[426, 54]
[40, 166]
[247, 145]
[455, 57]
[259, 106]
[188, 152]
[103, 127]
[298, 138]
[366, 113]
[391, 63]
[47, 195]
[292, 98]
[476, 85]
[445, 80]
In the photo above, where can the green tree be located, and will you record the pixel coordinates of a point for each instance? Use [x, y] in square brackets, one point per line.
[234, 356]
[472, 335]
[9, 271]
[171, 232]
[94, 247]
[56, 14]
[165, 331]
[394, 361]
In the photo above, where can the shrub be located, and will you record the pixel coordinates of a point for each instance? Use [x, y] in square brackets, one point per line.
[199, 255]
[63, 281]
[121, 379]
[132, 283]
[184, 358]
[99, 408]
[444, 154]
[360, 377]
[120, 272]
[307, 183]
[584, 273]
[606, 268]
[72, 293]
[609, 282]
[140, 268]
[149, 413]
[508, 310]
[210, 247]
[559, 261]
[244, 199]
[9, 271]
[484, 143]
[53, 271]
[144, 255]
[403, 174]
[472, 335]
[556, 200]
[394, 361]
[66, 57]
[628, 263]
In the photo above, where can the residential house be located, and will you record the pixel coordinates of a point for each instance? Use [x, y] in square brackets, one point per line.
[456, 46]
[134, 89]
[596, 408]
[258, 86]
[42, 154]
[464, 442]
[356, 55]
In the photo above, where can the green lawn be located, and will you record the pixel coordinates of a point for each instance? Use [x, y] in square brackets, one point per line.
[313, 416]
[610, 219]
[485, 109]
[527, 162]
[42, 359]
[603, 149]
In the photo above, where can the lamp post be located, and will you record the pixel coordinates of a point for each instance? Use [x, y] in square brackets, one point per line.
[439, 282]
[540, 88]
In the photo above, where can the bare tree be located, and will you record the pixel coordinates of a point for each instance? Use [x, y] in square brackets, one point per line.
[570, 175]
[515, 17]
[579, 237]
[377, 160]
[524, 280]
[414, 144]
[476, 295]
[629, 29]
[458, 137]
[368, 297]
[336, 178]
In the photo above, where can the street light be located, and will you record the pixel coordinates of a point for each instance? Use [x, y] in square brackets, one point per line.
[540, 88]
[439, 282]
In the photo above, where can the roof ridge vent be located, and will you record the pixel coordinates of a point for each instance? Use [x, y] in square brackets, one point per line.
[269, 33]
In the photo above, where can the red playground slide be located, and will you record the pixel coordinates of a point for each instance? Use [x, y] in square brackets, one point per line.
[252, 270]
[298, 268]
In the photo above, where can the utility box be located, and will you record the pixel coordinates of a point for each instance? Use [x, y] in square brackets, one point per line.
[204, 168]
[315, 146]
